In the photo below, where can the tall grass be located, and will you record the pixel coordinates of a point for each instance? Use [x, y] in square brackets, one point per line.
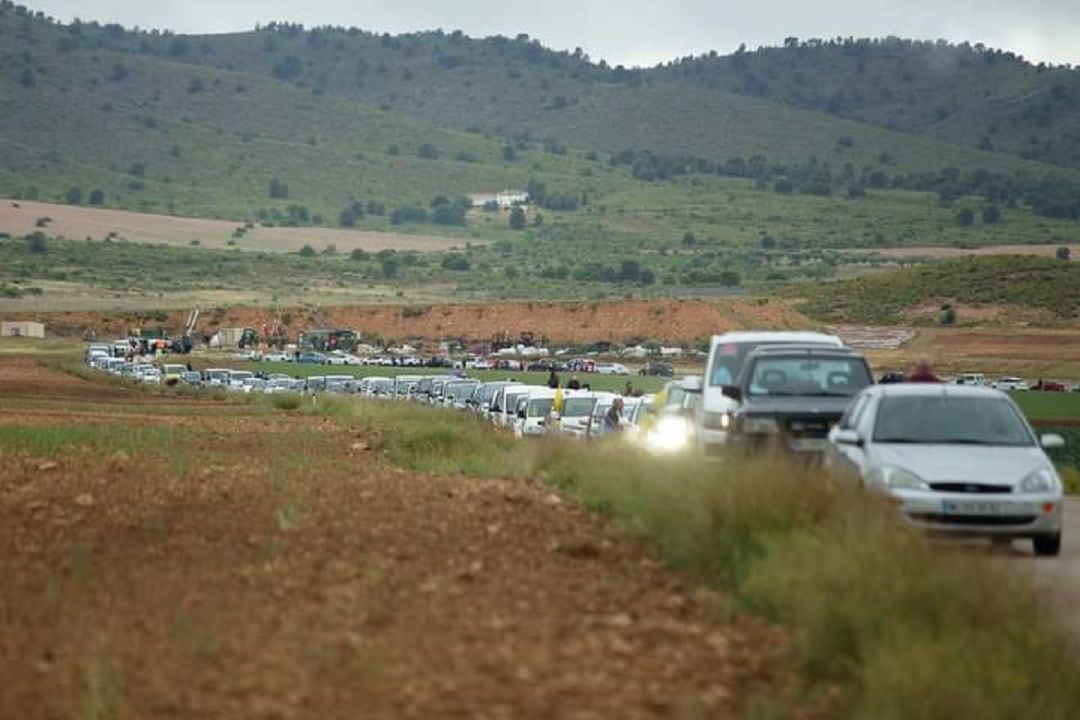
[892, 625]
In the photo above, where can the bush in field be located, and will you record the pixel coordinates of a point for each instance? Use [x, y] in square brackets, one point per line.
[965, 218]
[409, 214]
[428, 151]
[74, 196]
[1063, 253]
[278, 189]
[517, 219]
[97, 197]
[307, 251]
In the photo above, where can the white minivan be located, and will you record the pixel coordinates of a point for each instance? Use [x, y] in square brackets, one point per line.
[727, 353]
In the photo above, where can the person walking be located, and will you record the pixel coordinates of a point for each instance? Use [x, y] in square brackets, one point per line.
[553, 380]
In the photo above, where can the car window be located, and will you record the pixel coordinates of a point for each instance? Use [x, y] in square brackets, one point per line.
[803, 376]
[948, 420]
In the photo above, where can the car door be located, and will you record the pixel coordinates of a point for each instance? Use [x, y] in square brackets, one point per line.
[843, 458]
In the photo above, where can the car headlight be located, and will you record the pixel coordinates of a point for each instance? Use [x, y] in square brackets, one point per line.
[895, 478]
[1042, 480]
[760, 426]
[717, 421]
[669, 435]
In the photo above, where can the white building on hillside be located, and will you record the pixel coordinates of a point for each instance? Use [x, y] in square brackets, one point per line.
[505, 199]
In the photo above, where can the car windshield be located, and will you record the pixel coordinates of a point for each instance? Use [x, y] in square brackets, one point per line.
[943, 420]
[578, 407]
[675, 395]
[803, 376]
[539, 407]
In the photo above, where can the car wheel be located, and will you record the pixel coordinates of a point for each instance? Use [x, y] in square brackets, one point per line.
[1047, 545]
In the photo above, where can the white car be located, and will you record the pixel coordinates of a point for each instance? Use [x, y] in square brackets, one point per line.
[151, 376]
[577, 410]
[959, 461]
[534, 412]
[343, 358]
[611, 369]
[1012, 384]
[278, 356]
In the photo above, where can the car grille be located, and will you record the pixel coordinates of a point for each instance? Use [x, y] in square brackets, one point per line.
[984, 520]
[815, 427]
[978, 488]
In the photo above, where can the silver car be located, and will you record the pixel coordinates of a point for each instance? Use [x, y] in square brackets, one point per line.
[956, 460]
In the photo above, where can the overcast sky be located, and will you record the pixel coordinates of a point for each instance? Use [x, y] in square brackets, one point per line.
[631, 32]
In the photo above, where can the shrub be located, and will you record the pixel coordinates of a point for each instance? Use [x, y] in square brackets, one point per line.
[965, 218]
[409, 214]
[947, 315]
[97, 197]
[307, 251]
[517, 219]
[456, 262]
[428, 151]
[1063, 253]
[74, 196]
[278, 189]
[991, 214]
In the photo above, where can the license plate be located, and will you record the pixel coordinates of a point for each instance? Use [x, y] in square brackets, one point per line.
[808, 444]
[950, 507]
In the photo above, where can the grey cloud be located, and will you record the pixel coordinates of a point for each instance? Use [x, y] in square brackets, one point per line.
[635, 32]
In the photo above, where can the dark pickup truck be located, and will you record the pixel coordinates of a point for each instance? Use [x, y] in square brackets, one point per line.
[791, 396]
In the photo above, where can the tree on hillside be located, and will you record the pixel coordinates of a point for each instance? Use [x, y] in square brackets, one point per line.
[965, 218]
[74, 196]
[517, 219]
[730, 278]
[97, 197]
[947, 316]
[278, 190]
[1063, 253]
[36, 243]
[688, 240]
[509, 153]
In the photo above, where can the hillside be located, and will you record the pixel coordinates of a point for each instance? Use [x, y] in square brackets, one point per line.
[1025, 287]
[517, 89]
[162, 136]
[963, 94]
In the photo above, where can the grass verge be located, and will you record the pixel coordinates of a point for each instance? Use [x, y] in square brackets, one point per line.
[886, 624]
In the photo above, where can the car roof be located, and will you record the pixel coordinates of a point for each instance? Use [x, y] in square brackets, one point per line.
[800, 349]
[813, 338]
[935, 390]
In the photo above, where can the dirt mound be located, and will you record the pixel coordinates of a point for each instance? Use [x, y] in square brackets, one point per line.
[563, 322]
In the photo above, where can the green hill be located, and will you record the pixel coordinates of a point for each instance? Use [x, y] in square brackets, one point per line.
[1023, 283]
[963, 94]
[516, 88]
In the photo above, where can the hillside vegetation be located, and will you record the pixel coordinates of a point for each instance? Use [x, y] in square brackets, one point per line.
[1021, 282]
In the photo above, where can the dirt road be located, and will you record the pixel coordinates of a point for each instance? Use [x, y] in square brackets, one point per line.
[181, 558]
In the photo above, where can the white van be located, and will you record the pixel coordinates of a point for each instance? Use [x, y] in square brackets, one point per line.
[727, 353]
[535, 412]
[577, 411]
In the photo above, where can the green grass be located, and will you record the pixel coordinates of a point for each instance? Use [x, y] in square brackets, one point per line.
[924, 634]
[55, 440]
[1024, 283]
[1046, 407]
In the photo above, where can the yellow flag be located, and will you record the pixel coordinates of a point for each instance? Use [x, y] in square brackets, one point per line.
[558, 402]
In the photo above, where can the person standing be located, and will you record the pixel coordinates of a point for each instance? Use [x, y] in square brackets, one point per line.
[923, 372]
[574, 383]
[553, 379]
[613, 419]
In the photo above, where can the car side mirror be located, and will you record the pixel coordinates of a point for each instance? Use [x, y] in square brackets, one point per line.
[734, 392]
[847, 437]
[1052, 442]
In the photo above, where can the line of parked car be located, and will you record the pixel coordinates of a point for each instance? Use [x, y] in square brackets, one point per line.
[956, 459]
